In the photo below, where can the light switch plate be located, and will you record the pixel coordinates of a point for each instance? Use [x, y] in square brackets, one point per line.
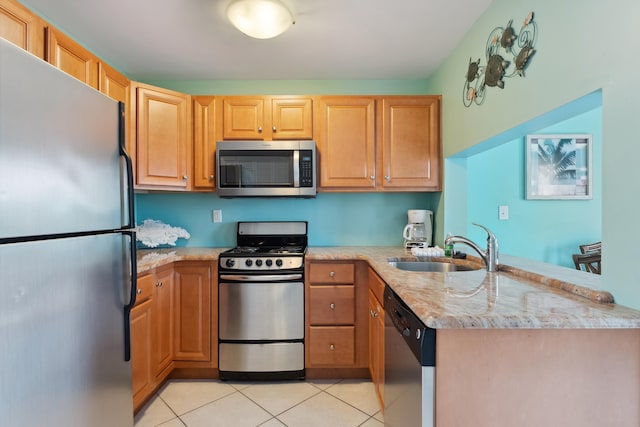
[503, 212]
[217, 215]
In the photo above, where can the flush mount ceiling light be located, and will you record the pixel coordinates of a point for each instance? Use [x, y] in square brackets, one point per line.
[260, 19]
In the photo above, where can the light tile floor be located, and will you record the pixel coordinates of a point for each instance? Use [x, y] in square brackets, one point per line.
[311, 403]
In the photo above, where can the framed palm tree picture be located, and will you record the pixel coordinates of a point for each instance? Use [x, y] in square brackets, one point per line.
[558, 166]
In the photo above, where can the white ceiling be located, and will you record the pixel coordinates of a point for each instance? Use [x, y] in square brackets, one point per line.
[331, 39]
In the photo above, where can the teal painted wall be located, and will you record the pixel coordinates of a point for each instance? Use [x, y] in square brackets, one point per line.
[583, 47]
[543, 230]
[359, 219]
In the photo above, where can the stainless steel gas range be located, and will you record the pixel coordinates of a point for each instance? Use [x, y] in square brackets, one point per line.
[261, 302]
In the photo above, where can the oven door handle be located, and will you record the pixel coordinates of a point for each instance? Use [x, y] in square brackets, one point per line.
[258, 278]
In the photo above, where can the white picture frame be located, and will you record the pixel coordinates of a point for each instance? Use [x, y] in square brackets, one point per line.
[559, 166]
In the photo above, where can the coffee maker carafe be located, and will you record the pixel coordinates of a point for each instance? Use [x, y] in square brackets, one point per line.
[417, 233]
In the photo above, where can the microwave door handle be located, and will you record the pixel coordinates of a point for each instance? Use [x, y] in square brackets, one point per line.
[296, 168]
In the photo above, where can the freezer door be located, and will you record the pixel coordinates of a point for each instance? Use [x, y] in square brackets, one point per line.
[59, 151]
[62, 334]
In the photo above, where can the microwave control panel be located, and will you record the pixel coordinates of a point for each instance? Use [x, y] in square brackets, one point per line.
[306, 168]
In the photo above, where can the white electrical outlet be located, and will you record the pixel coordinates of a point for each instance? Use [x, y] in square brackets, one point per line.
[217, 215]
[503, 212]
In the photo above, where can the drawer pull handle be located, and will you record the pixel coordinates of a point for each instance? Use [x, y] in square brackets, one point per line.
[332, 274]
[332, 306]
[139, 291]
[332, 347]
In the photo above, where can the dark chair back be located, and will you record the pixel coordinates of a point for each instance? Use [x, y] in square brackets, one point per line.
[589, 262]
[591, 247]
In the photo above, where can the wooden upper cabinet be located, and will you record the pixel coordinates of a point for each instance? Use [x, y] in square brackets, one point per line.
[267, 118]
[291, 118]
[204, 142]
[410, 143]
[67, 55]
[243, 118]
[162, 138]
[113, 84]
[345, 138]
[21, 27]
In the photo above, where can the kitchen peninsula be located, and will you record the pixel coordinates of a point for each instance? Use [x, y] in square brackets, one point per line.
[529, 345]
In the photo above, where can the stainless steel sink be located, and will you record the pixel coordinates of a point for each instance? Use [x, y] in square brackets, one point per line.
[431, 266]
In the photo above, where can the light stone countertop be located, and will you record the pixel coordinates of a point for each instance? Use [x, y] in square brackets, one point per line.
[524, 294]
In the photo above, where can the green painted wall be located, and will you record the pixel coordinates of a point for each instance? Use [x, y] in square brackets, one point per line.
[295, 87]
[582, 47]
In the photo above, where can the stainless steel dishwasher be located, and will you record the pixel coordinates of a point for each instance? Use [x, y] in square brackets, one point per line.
[409, 367]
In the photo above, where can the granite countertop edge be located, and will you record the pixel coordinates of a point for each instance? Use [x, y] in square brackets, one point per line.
[523, 294]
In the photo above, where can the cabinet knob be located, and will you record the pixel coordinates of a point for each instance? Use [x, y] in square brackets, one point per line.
[273, 129]
[139, 291]
[185, 177]
[373, 177]
[332, 274]
[211, 177]
[159, 285]
[332, 306]
[387, 178]
[259, 129]
[332, 347]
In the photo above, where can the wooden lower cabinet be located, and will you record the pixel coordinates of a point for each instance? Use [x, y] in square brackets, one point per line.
[141, 332]
[172, 325]
[192, 316]
[332, 345]
[336, 319]
[376, 334]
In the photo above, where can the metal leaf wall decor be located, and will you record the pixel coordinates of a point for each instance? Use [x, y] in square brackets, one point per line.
[507, 55]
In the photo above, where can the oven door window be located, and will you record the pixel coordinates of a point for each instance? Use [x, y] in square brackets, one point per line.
[255, 169]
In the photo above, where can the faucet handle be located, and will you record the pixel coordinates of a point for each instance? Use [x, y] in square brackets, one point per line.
[490, 235]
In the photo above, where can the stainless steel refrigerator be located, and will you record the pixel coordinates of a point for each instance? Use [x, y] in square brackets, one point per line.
[67, 250]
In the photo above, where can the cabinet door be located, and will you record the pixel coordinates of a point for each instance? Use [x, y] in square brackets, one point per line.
[162, 138]
[67, 55]
[411, 143]
[376, 345]
[162, 319]
[21, 27]
[192, 297]
[243, 118]
[291, 118]
[204, 141]
[113, 84]
[345, 133]
[141, 337]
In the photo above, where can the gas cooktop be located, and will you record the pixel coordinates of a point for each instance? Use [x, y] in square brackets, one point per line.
[267, 246]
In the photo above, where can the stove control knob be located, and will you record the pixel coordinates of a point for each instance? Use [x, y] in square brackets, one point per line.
[279, 262]
[268, 262]
[258, 262]
[248, 263]
[230, 262]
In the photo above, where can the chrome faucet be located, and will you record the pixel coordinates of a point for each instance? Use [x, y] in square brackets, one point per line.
[490, 256]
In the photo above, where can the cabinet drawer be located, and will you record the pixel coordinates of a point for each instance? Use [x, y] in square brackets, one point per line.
[145, 285]
[376, 284]
[332, 345]
[331, 305]
[331, 273]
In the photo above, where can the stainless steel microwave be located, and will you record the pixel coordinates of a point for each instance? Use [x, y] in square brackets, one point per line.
[266, 168]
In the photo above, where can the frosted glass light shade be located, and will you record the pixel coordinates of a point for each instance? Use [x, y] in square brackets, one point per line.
[260, 19]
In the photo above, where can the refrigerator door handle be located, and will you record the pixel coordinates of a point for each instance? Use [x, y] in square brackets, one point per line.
[128, 166]
[132, 294]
